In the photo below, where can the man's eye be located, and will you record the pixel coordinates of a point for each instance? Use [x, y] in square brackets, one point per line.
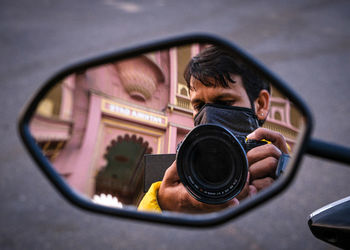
[198, 106]
[227, 103]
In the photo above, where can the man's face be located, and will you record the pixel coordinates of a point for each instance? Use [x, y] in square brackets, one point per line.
[236, 95]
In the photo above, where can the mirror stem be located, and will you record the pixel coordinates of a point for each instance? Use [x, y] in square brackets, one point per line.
[328, 150]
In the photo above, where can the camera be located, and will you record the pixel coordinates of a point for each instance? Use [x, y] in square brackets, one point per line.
[212, 163]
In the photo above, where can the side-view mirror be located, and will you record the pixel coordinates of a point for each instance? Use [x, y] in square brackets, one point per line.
[108, 130]
[331, 223]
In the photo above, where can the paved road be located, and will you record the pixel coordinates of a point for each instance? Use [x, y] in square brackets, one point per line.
[306, 42]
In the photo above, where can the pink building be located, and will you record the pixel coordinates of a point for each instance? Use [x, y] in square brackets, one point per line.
[96, 125]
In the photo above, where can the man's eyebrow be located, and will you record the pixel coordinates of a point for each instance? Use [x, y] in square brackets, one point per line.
[218, 97]
[196, 100]
[224, 95]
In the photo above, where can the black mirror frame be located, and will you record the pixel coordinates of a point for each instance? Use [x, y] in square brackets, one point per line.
[171, 218]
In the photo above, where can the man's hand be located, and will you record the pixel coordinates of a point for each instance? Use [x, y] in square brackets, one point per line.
[263, 161]
[173, 196]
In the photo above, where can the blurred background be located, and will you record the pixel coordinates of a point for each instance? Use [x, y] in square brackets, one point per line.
[306, 43]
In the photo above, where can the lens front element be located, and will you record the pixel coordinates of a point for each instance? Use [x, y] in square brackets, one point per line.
[212, 164]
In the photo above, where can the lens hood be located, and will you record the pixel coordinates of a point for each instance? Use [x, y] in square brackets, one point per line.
[212, 164]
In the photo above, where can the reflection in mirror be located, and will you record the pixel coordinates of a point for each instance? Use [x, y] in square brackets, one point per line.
[111, 132]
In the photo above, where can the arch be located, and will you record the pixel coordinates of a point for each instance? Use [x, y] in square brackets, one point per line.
[277, 116]
[122, 176]
[183, 91]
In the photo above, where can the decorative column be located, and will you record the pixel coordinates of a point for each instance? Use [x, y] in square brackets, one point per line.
[172, 134]
[173, 75]
[82, 167]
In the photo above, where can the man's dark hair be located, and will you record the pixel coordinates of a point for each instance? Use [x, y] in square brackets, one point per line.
[218, 64]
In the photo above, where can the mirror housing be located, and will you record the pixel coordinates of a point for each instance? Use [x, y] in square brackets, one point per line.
[169, 218]
[331, 223]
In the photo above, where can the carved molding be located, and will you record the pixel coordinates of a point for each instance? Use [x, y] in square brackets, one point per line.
[140, 77]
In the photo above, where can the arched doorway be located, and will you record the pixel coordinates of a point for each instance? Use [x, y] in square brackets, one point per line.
[123, 175]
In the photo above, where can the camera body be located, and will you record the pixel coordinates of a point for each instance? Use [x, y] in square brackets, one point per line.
[212, 162]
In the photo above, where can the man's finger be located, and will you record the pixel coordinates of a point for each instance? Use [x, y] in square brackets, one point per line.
[272, 136]
[263, 168]
[171, 176]
[252, 190]
[262, 183]
[259, 153]
[245, 190]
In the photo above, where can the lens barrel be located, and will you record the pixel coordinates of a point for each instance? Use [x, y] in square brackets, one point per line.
[212, 164]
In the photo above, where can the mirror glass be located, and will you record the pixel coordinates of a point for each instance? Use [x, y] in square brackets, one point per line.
[111, 131]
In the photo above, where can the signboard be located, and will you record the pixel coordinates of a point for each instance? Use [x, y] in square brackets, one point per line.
[122, 110]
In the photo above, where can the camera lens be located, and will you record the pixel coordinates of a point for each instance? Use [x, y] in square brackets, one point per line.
[212, 164]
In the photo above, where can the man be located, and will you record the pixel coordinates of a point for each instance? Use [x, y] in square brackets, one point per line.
[215, 76]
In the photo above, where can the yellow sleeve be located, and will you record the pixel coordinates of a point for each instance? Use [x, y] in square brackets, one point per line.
[149, 202]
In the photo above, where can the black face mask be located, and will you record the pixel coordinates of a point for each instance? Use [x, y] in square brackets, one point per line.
[238, 120]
